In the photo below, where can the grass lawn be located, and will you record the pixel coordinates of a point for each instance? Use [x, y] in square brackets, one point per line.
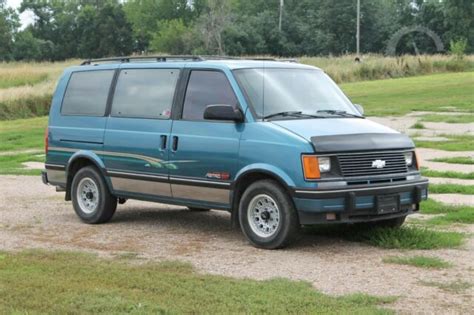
[22, 134]
[451, 189]
[452, 214]
[406, 237]
[446, 174]
[456, 286]
[452, 119]
[454, 143]
[418, 261]
[12, 164]
[438, 92]
[456, 160]
[70, 283]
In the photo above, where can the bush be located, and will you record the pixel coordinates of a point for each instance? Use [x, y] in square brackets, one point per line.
[458, 48]
[31, 106]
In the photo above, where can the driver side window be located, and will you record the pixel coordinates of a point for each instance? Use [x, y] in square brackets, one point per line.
[206, 88]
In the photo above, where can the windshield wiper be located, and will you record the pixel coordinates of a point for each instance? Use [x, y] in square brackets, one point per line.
[292, 114]
[342, 113]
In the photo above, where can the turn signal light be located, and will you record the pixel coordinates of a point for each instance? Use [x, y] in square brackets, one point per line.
[311, 167]
[417, 160]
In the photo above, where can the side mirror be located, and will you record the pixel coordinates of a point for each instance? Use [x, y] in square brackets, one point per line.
[360, 109]
[223, 112]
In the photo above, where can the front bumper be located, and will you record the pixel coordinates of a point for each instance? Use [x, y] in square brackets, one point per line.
[359, 203]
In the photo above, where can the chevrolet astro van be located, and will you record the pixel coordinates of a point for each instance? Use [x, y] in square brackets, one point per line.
[275, 143]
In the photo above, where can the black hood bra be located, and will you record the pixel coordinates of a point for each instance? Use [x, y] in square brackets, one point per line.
[361, 142]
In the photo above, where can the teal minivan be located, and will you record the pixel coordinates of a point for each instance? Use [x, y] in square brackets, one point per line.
[275, 143]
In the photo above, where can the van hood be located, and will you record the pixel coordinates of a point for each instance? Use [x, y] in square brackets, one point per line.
[346, 134]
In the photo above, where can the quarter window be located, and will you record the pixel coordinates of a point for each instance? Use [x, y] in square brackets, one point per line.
[206, 88]
[87, 93]
[145, 93]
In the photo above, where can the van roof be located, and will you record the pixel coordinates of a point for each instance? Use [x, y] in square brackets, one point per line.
[200, 61]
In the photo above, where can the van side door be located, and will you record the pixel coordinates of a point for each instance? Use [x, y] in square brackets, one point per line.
[138, 129]
[204, 153]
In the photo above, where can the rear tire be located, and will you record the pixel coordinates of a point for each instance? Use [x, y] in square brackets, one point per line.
[91, 198]
[267, 215]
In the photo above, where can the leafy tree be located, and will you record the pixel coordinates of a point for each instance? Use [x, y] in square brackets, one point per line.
[9, 23]
[459, 21]
[173, 38]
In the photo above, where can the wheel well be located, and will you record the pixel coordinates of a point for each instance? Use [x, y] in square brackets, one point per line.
[245, 181]
[76, 165]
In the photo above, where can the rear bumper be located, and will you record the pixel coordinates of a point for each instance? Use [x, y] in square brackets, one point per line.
[350, 204]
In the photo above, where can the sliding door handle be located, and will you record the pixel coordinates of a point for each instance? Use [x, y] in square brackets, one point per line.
[163, 142]
[174, 146]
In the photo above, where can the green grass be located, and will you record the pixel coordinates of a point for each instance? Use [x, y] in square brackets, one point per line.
[25, 107]
[456, 160]
[418, 125]
[22, 134]
[418, 261]
[439, 92]
[446, 174]
[11, 164]
[454, 143]
[451, 189]
[8, 80]
[452, 213]
[452, 119]
[406, 237]
[377, 67]
[62, 283]
[457, 286]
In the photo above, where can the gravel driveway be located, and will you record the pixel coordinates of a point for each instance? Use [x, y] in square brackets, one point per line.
[33, 215]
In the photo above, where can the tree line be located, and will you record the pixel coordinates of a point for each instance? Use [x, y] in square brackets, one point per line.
[100, 28]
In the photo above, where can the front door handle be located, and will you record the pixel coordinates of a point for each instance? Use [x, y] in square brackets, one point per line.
[163, 142]
[174, 146]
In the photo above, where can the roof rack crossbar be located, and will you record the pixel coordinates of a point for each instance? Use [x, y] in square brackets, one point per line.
[161, 58]
[165, 58]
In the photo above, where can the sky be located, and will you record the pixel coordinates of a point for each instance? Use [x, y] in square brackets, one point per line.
[26, 17]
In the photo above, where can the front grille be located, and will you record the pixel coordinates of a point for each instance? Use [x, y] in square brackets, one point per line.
[360, 164]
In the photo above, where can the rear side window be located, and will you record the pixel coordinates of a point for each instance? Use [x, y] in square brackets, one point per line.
[206, 88]
[87, 93]
[145, 93]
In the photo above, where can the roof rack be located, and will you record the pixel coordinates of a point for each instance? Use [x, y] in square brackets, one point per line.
[163, 58]
[143, 58]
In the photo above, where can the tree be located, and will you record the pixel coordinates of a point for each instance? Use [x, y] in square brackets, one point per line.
[459, 21]
[173, 38]
[9, 23]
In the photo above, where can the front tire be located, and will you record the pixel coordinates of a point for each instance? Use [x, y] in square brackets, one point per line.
[267, 215]
[91, 198]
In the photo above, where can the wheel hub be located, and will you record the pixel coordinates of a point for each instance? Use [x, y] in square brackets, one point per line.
[263, 215]
[87, 195]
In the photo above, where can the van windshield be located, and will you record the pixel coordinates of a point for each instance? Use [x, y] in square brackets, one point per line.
[277, 93]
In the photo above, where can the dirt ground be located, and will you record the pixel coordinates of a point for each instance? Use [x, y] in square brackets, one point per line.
[33, 215]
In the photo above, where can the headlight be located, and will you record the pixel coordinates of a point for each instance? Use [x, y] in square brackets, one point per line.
[313, 166]
[324, 164]
[408, 158]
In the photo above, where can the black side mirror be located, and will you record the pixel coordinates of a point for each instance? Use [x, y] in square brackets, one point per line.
[223, 112]
[359, 108]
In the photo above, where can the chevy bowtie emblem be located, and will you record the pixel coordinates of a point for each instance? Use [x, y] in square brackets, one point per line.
[378, 163]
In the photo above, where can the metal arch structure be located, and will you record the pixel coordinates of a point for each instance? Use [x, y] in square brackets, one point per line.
[391, 49]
